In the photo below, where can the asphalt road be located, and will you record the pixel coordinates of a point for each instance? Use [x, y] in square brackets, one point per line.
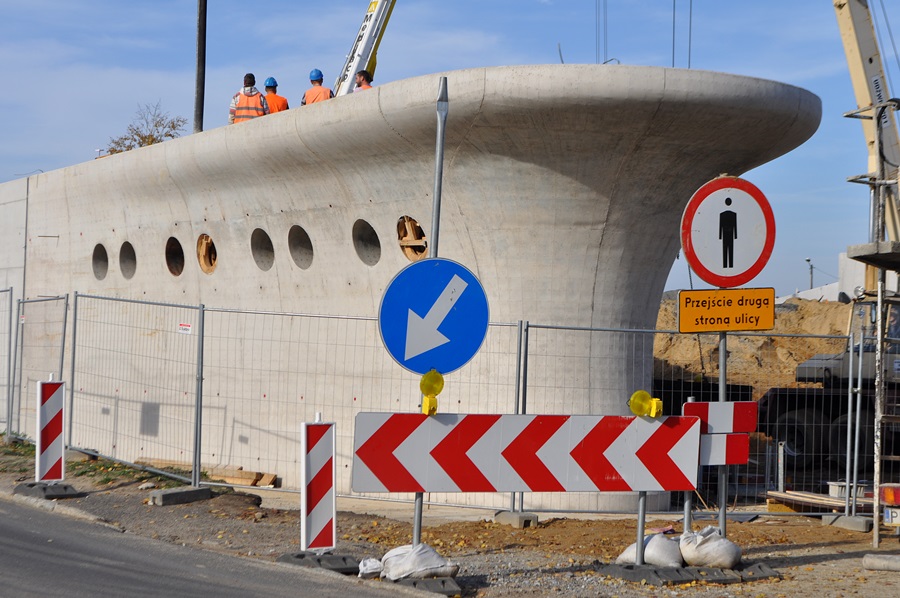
[48, 554]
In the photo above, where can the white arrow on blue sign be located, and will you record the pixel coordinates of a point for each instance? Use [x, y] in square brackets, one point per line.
[433, 315]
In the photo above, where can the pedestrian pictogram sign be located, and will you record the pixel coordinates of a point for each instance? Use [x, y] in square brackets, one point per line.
[728, 232]
[433, 316]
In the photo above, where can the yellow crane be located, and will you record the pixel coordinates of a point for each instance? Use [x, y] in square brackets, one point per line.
[365, 47]
[872, 96]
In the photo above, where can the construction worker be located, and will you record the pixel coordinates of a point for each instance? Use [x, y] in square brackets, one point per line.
[363, 80]
[248, 103]
[276, 102]
[316, 93]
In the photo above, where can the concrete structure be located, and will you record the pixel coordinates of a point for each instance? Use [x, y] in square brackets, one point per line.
[563, 191]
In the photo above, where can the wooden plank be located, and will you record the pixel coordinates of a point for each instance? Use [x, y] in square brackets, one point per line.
[810, 499]
[267, 479]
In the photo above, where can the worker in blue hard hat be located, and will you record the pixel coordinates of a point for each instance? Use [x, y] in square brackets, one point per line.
[316, 93]
[276, 102]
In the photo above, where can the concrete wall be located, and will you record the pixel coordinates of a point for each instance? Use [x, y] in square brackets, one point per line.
[563, 190]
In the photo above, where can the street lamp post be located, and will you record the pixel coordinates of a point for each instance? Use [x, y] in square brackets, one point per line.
[808, 261]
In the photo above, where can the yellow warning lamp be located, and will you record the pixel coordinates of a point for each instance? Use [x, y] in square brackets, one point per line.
[643, 405]
[431, 385]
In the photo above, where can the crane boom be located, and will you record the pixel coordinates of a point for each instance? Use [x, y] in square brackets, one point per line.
[870, 89]
[365, 46]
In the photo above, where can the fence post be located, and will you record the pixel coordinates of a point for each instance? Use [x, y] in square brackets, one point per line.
[72, 368]
[17, 362]
[198, 416]
[849, 443]
[62, 346]
[512, 496]
[9, 352]
[524, 394]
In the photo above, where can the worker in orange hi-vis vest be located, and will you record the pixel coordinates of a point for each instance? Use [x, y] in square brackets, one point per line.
[316, 93]
[363, 81]
[248, 103]
[276, 102]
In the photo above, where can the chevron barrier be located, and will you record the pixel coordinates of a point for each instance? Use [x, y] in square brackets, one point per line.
[318, 520]
[724, 430]
[412, 452]
[50, 446]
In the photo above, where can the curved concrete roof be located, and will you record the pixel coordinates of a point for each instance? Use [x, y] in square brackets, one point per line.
[563, 184]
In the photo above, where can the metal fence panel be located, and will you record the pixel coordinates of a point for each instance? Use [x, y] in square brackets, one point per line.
[38, 354]
[134, 391]
[265, 373]
[134, 373]
[581, 371]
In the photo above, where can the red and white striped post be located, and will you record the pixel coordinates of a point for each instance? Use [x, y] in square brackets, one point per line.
[50, 446]
[318, 527]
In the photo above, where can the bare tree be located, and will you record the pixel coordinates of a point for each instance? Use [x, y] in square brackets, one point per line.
[150, 125]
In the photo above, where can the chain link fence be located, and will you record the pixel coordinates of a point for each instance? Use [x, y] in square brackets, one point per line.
[138, 368]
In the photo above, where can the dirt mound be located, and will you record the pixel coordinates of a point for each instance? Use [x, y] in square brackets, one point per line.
[761, 360]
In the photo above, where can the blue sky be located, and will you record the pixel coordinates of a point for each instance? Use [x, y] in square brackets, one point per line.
[76, 72]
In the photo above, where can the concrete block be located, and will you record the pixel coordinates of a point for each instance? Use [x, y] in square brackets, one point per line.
[756, 571]
[517, 520]
[438, 585]
[179, 496]
[856, 524]
[47, 491]
[714, 575]
[345, 565]
[882, 562]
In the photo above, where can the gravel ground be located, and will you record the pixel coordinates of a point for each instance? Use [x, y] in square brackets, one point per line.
[557, 557]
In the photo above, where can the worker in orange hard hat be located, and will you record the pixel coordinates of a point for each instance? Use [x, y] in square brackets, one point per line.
[316, 93]
[276, 102]
[248, 103]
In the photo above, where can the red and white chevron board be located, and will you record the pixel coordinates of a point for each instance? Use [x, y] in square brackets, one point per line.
[724, 449]
[50, 446]
[724, 417]
[411, 452]
[318, 527]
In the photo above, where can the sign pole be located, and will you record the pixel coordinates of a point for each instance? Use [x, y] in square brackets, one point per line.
[723, 469]
[642, 515]
[689, 497]
[442, 110]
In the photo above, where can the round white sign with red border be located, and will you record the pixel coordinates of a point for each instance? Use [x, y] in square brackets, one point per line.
[728, 232]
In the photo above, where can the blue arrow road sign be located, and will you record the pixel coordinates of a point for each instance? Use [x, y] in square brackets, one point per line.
[433, 315]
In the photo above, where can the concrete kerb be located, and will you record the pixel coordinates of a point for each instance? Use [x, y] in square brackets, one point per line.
[853, 523]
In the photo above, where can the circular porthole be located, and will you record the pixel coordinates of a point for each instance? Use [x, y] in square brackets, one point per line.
[174, 256]
[100, 261]
[300, 246]
[412, 239]
[262, 249]
[127, 260]
[366, 242]
[206, 253]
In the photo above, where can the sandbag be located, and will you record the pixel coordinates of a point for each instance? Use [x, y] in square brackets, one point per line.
[658, 550]
[707, 548]
[416, 562]
[370, 568]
